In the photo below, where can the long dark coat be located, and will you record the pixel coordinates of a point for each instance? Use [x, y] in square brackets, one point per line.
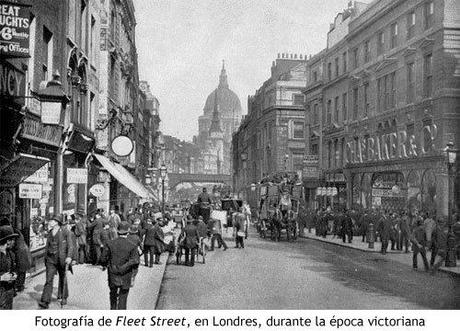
[120, 256]
[384, 228]
[21, 252]
[65, 246]
[154, 236]
[191, 236]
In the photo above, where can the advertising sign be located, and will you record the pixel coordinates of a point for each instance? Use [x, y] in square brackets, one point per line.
[39, 176]
[77, 175]
[14, 29]
[12, 82]
[30, 191]
[97, 190]
[51, 112]
[310, 169]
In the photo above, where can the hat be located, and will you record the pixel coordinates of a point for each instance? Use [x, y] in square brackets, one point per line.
[123, 228]
[6, 232]
[133, 229]
[57, 218]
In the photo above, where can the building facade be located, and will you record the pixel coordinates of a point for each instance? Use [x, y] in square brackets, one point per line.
[271, 137]
[400, 109]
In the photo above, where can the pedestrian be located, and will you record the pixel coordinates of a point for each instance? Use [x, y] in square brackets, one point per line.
[114, 221]
[439, 253]
[80, 234]
[238, 229]
[93, 229]
[121, 257]
[405, 231]
[347, 227]
[216, 234]
[21, 253]
[418, 241]
[59, 251]
[134, 236]
[102, 237]
[159, 237]
[384, 228]
[190, 241]
[8, 271]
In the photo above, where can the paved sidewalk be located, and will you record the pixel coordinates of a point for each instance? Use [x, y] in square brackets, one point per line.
[400, 256]
[89, 290]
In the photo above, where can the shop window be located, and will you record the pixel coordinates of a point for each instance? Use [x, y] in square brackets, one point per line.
[344, 106]
[314, 149]
[336, 67]
[344, 60]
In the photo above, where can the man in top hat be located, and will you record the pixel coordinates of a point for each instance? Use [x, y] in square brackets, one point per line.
[7, 267]
[59, 251]
[121, 258]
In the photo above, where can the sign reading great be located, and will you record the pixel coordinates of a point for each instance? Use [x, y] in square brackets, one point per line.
[14, 29]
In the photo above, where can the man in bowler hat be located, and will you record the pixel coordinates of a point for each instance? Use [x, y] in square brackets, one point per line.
[121, 258]
[59, 251]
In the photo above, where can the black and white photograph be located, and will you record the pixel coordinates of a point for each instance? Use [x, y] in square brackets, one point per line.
[223, 155]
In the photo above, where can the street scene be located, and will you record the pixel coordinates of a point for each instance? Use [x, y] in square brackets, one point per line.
[228, 155]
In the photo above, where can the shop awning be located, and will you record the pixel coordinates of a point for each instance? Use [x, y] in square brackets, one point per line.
[21, 166]
[124, 177]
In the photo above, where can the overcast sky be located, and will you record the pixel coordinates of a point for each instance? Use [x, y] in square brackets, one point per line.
[181, 45]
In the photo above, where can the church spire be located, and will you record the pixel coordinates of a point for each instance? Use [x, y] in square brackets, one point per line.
[223, 77]
[215, 123]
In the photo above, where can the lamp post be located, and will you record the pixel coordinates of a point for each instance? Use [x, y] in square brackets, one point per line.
[451, 259]
[53, 101]
[163, 173]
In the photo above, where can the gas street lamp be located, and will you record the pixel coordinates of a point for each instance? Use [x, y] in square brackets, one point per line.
[451, 260]
[163, 173]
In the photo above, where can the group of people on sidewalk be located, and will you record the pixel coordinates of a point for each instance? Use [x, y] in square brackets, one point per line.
[399, 230]
[115, 243]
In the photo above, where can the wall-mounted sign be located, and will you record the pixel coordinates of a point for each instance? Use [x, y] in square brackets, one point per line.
[35, 130]
[12, 82]
[14, 29]
[30, 191]
[122, 145]
[77, 175]
[97, 190]
[310, 167]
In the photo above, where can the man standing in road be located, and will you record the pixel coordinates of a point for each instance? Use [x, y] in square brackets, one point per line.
[238, 228]
[191, 241]
[216, 234]
[7, 267]
[121, 257]
[59, 251]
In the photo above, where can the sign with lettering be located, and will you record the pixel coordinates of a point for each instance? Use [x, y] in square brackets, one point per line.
[35, 130]
[14, 30]
[51, 112]
[30, 191]
[391, 146]
[77, 175]
[97, 190]
[311, 167]
[39, 176]
[12, 82]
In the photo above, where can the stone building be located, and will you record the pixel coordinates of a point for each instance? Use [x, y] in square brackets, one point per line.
[401, 109]
[271, 137]
[228, 107]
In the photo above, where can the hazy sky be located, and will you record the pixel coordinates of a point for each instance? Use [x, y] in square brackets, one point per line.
[181, 45]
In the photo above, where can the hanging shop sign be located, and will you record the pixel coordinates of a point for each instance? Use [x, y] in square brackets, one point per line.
[35, 130]
[391, 146]
[77, 175]
[51, 112]
[30, 191]
[122, 145]
[39, 176]
[14, 29]
[97, 190]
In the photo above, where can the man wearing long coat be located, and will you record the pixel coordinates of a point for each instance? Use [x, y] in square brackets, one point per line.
[191, 241]
[121, 257]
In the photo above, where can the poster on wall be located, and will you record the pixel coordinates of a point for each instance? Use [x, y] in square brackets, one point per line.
[30, 191]
[77, 175]
[15, 30]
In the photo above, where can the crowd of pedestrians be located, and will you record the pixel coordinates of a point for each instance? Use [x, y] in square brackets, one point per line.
[395, 230]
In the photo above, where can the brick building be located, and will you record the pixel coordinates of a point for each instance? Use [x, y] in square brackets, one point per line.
[271, 137]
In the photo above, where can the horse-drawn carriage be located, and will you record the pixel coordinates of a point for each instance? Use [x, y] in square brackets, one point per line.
[279, 209]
